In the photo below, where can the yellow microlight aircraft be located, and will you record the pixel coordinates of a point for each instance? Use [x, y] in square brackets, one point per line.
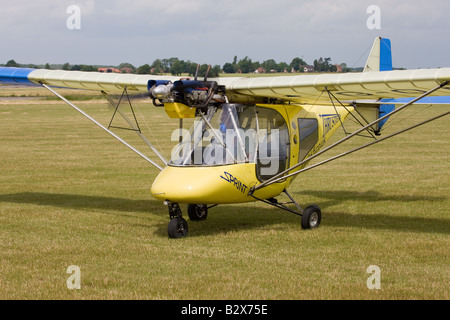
[252, 136]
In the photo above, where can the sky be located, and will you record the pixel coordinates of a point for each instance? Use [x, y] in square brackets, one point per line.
[110, 32]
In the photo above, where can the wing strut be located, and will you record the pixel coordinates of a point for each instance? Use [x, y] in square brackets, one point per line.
[330, 94]
[134, 125]
[283, 175]
[332, 102]
[101, 126]
[366, 145]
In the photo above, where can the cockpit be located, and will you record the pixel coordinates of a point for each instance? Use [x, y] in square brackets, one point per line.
[233, 134]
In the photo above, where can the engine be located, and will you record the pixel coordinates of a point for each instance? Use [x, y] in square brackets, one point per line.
[192, 93]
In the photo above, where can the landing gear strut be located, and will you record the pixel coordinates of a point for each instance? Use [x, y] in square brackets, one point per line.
[178, 227]
[311, 215]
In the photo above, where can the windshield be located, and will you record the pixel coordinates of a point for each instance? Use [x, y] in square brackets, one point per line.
[231, 134]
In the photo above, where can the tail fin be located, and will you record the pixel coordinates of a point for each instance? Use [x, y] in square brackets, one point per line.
[380, 58]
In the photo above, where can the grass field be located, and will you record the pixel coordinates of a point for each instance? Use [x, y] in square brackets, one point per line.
[71, 195]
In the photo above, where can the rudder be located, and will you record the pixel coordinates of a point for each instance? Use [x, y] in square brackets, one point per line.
[380, 57]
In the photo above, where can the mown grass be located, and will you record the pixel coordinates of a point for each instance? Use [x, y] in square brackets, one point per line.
[71, 195]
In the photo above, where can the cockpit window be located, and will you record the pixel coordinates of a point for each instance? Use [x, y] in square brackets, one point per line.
[235, 133]
[225, 135]
[273, 144]
[308, 131]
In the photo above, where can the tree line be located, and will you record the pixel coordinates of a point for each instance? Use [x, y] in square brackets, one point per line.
[178, 67]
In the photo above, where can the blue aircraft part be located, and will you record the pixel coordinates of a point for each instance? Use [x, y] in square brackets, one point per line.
[385, 55]
[152, 83]
[385, 65]
[384, 109]
[15, 76]
[430, 100]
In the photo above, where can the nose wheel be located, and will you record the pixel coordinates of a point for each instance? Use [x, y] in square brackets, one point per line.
[178, 227]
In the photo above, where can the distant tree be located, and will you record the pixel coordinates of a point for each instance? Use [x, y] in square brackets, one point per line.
[144, 69]
[235, 61]
[282, 66]
[202, 70]
[177, 68]
[245, 65]
[191, 68]
[157, 66]
[215, 71]
[75, 68]
[47, 66]
[87, 68]
[12, 63]
[318, 64]
[297, 64]
[127, 65]
[344, 67]
[186, 66]
[270, 65]
[167, 63]
[66, 66]
[324, 65]
[228, 68]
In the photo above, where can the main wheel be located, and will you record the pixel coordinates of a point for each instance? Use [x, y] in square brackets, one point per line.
[197, 212]
[178, 228]
[311, 217]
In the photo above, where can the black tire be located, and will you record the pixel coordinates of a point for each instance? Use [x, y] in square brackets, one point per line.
[178, 228]
[311, 217]
[197, 212]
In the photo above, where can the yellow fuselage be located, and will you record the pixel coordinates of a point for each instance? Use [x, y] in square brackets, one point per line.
[217, 184]
[221, 184]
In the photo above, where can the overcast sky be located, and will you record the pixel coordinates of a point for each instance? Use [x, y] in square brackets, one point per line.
[213, 32]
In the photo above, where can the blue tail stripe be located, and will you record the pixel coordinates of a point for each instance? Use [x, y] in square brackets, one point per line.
[385, 55]
[385, 65]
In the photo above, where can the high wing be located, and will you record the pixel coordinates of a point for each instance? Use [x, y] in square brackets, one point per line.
[345, 87]
[371, 84]
[373, 91]
[111, 82]
[298, 89]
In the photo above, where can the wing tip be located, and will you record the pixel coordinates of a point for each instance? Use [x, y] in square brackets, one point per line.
[15, 76]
